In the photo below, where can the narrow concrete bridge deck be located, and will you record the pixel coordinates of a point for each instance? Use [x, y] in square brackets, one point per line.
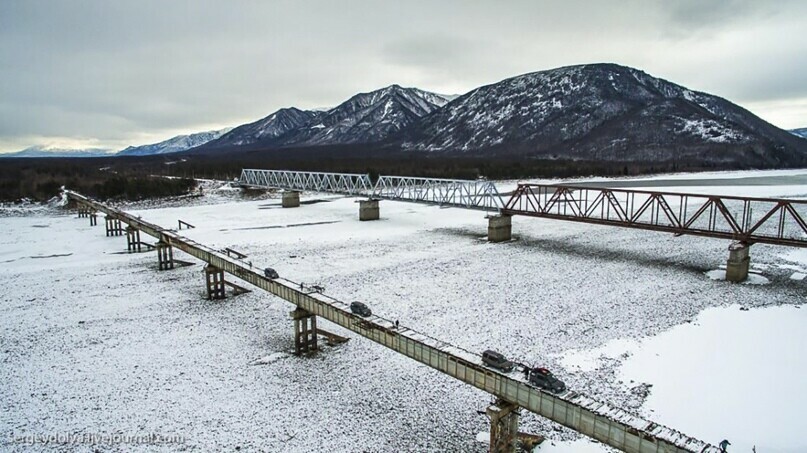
[601, 421]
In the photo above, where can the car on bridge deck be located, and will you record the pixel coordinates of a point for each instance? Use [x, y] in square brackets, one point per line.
[494, 359]
[544, 379]
[270, 273]
[360, 309]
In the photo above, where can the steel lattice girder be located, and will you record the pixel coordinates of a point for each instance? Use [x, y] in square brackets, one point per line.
[751, 220]
[474, 194]
[342, 183]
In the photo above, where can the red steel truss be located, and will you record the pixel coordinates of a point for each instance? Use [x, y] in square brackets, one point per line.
[744, 219]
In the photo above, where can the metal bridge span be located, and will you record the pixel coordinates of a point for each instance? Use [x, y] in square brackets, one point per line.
[748, 220]
[468, 194]
[601, 421]
[743, 219]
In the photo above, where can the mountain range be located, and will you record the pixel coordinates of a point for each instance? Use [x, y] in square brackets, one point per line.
[595, 112]
[174, 144]
[800, 132]
[364, 118]
[45, 151]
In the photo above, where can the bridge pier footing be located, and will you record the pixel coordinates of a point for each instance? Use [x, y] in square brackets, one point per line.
[305, 331]
[165, 256]
[214, 277]
[738, 263]
[291, 199]
[503, 426]
[133, 239]
[500, 228]
[368, 210]
[113, 226]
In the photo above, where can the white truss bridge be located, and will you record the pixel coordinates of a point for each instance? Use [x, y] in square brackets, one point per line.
[457, 193]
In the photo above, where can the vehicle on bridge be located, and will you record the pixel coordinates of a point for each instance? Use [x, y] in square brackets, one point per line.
[270, 273]
[544, 379]
[494, 359]
[360, 309]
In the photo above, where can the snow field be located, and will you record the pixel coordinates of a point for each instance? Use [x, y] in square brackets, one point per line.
[99, 341]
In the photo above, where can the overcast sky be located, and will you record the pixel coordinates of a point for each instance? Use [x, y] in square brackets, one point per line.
[114, 73]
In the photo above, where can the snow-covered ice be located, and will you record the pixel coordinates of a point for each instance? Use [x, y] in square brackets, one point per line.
[96, 340]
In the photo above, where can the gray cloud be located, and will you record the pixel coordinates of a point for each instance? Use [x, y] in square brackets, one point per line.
[122, 72]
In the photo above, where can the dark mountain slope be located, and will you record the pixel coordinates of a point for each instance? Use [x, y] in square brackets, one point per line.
[601, 112]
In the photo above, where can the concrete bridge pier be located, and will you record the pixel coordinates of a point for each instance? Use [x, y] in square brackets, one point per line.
[305, 331]
[500, 228]
[368, 210]
[503, 426]
[291, 199]
[738, 262]
[214, 277]
[93, 218]
[133, 239]
[113, 226]
[82, 211]
[165, 256]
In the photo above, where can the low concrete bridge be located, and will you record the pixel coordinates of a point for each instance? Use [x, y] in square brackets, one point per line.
[601, 421]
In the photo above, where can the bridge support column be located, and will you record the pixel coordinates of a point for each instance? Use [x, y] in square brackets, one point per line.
[503, 426]
[93, 218]
[368, 210]
[500, 228]
[214, 277]
[133, 239]
[305, 331]
[738, 262]
[113, 226]
[82, 211]
[291, 199]
[165, 256]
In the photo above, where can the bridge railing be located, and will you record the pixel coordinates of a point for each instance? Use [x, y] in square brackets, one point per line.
[469, 194]
[746, 219]
[341, 183]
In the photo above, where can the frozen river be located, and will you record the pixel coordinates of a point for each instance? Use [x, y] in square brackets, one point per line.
[96, 340]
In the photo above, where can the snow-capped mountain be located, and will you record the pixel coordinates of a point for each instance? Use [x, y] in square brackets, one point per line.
[367, 117]
[174, 144]
[802, 132]
[364, 118]
[44, 151]
[266, 130]
[600, 112]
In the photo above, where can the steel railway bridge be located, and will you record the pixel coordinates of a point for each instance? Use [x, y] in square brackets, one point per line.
[601, 421]
[743, 220]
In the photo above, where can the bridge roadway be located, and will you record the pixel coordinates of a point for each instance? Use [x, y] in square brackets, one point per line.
[601, 421]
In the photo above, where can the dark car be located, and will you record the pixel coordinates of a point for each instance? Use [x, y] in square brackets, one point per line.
[544, 379]
[495, 360]
[360, 309]
[270, 273]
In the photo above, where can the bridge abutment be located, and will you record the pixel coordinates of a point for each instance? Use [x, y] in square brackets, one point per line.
[133, 239]
[305, 331]
[113, 226]
[368, 210]
[738, 263]
[291, 199]
[503, 426]
[165, 256]
[214, 277]
[500, 228]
